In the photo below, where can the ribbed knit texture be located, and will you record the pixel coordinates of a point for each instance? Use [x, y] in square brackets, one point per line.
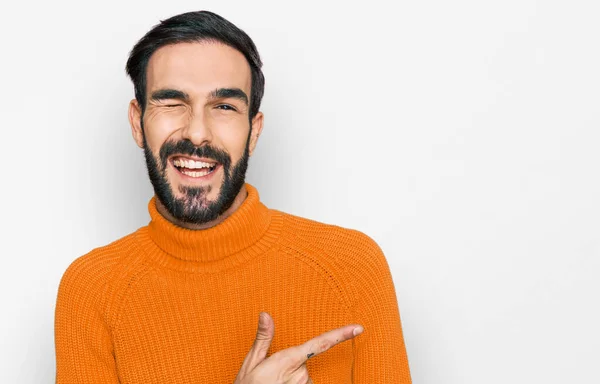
[171, 305]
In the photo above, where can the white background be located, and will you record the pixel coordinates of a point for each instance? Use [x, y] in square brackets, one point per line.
[461, 135]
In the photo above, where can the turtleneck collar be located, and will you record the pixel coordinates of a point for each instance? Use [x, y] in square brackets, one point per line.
[245, 227]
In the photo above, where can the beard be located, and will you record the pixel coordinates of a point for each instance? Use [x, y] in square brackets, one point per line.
[194, 206]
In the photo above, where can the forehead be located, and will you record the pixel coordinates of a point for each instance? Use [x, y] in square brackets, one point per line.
[198, 68]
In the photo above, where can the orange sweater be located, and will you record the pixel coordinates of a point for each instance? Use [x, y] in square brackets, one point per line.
[171, 305]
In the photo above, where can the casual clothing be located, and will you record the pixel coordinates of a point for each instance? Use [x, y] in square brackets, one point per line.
[167, 304]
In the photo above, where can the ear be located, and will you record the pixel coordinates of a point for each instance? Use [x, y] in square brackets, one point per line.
[135, 120]
[257, 126]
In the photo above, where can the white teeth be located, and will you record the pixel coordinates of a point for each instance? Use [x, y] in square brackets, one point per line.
[196, 174]
[191, 164]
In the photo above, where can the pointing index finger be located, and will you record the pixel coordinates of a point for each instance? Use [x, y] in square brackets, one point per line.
[327, 340]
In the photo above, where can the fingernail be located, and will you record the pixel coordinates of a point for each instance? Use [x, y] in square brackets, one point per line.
[358, 330]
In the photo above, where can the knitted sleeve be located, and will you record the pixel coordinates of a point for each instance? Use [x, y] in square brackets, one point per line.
[84, 351]
[380, 353]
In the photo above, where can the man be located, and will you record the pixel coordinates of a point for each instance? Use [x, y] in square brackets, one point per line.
[177, 301]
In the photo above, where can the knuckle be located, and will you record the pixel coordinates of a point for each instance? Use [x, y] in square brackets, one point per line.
[323, 345]
[261, 336]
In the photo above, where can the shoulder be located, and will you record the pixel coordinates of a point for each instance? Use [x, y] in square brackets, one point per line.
[102, 272]
[348, 256]
[352, 246]
[100, 262]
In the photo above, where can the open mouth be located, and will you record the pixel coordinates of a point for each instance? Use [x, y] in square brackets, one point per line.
[193, 167]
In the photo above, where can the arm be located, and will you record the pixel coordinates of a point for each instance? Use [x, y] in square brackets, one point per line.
[380, 354]
[84, 351]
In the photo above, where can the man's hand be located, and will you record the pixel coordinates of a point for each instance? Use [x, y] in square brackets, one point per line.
[287, 366]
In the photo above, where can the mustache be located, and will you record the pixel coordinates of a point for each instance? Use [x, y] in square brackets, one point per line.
[186, 147]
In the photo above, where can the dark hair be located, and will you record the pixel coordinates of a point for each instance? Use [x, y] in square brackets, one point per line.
[194, 27]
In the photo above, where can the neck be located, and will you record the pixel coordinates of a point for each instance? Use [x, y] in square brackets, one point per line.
[237, 202]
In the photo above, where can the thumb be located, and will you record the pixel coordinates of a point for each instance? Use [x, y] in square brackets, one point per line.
[264, 335]
[262, 342]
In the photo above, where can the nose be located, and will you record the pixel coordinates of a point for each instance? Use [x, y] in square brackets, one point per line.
[198, 129]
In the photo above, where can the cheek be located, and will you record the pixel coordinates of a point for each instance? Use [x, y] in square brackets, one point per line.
[158, 128]
[234, 141]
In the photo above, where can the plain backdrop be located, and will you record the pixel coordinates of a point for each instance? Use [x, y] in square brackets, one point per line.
[463, 136]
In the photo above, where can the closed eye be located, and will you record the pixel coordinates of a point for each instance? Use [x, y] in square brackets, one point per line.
[172, 105]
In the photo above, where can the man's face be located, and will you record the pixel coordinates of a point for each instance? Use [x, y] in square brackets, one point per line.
[196, 131]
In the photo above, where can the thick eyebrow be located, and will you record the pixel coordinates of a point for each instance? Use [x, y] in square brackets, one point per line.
[169, 94]
[229, 93]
